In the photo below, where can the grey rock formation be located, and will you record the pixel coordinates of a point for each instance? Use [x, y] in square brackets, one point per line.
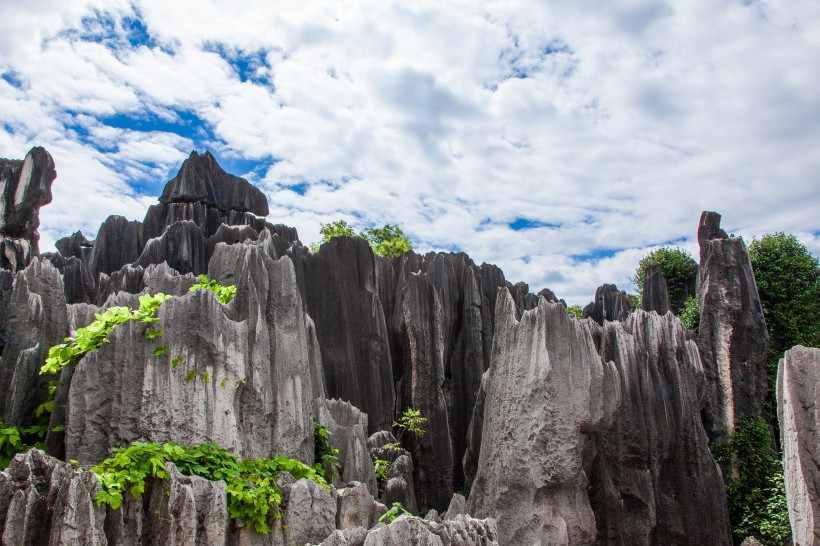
[119, 242]
[76, 245]
[356, 507]
[548, 389]
[466, 531]
[182, 245]
[36, 321]
[798, 400]
[348, 433]
[405, 530]
[610, 304]
[25, 186]
[655, 296]
[652, 474]
[458, 507]
[732, 337]
[247, 367]
[311, 513]
[340, 292]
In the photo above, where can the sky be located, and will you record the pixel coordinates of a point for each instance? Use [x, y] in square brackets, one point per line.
[560, 140]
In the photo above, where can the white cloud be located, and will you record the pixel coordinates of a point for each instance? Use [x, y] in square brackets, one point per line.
[616, 123]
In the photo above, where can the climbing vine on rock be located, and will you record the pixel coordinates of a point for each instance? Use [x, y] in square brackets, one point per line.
[251, 485]
[326, 456]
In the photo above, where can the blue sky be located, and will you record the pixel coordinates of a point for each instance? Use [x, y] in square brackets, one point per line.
[559, 140]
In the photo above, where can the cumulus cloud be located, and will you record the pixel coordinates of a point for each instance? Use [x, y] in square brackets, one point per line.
[559, 140]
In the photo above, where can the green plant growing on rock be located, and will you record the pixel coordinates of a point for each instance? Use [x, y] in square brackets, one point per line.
[678, 268]
[250, 484]
[326, 457]
[409, 421]
[756, 494]
[394, 513]
[380, 467]
[576, 310]
[689, 315]
[223, 293]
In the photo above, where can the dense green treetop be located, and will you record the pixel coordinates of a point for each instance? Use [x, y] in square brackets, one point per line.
[678, 267]
[388, 240]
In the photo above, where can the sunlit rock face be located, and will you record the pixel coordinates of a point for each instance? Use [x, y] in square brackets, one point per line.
[548, 390]
[798, 410]
[732, 336]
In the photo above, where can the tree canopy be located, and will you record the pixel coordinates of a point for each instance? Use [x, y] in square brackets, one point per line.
[678, 268]
[388, 240]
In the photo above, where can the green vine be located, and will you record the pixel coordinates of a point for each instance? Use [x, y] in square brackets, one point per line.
[250, 484]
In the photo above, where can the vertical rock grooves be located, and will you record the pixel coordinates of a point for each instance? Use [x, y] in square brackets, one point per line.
[547, 391]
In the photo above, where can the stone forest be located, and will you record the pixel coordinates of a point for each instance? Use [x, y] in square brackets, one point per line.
[203, 377]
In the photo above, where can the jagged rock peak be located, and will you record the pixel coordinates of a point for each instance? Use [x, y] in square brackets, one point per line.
[610, 304]
[202, 179]
[25, 186]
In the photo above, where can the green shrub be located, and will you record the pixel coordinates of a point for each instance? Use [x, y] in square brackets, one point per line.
[223, 293]
[756, 494]
[388, 240]
[250, 484]
[690, 314]
[380, 467]
[395, 511]
[576, 310]
[678, 268]
[326, 457]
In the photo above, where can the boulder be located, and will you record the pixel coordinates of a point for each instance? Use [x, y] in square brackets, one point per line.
[798, 400]
[732, 337]
[548, 389]
[404, 530]
[311, 513]
[356, 507]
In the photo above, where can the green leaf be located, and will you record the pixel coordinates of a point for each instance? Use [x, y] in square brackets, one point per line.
[175, 362]
[161, 350]
[191, 375]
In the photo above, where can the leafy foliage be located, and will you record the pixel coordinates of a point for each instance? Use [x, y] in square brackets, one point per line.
[678, 267]
[388, 240]
[380, 467]
[326, 457]
[395, 511]
[756, 495]
[14, 440]
[251, 484]
[95, 334]
[409, 421]
[223, 293]
[576, 310]
[689, 315]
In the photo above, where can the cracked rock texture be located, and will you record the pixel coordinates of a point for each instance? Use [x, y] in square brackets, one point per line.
[610, 304]
[798, 410]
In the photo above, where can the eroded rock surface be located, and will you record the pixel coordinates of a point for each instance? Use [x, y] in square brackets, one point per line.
[653, 476]
[547, 390]
[348, 433]
[610, 304]
[732, 337]
[798, 410]
[25, 186]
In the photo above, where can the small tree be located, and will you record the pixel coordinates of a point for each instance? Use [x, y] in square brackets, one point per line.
[678, 268]
[388, 240]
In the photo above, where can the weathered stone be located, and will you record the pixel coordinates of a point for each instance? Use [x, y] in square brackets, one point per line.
[356, 507]
[310, 515]
[471, 454]
[248, 382]
[458, 507]
[119, 242]
[655, 295]
[732, 336]
[339, 288]
[404, 530]
[466, 531]
[752, 541]
[76, 245]
[610, 304]
[798, 410]
[548, 389]
[25, 186]
[348, 433]
[182, 246]
[35, 322]
[652, 474]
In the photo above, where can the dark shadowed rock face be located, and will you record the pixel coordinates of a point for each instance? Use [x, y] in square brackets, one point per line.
[202, 179]
[653, 476]
[547, 391]
[732, 337]
[610, 304]
[655, 296]
[798, 400]
[25, 186]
